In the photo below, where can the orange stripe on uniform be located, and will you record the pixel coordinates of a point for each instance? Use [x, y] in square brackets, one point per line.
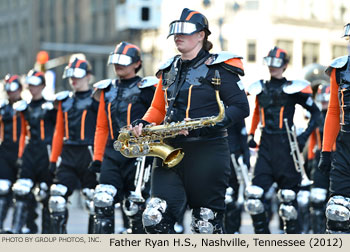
[82, 129]
[110, 120]
[262, 117]
[189, 102]
[66, 124]
[318, 138]
[191, 14]
[281, 117]
[128, 115]
[14, 128]
[42, 129]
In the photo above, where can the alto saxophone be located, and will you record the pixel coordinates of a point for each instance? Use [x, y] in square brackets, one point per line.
[151, 140]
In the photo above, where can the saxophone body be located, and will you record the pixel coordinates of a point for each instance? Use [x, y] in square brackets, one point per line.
[151, 140]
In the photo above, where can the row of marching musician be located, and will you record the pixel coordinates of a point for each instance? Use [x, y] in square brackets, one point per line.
[191, 119]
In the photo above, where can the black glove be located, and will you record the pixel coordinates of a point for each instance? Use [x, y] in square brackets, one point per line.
[251, 141]
[325, 162]
[52, 168]
[138, 121]
[301, 141]
[95, 166]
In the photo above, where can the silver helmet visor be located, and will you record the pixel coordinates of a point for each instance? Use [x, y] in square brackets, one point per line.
[33, 80]
[180, 27]
[347, 30]
[11, 87]
[73, 73]
[273, 62]
[120, 59]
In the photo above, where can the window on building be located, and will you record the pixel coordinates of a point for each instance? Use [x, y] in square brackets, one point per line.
[311, 53]
[339, 50]
[251, 51]
[286, 45]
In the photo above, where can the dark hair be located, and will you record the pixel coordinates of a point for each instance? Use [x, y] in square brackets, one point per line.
[207, 45]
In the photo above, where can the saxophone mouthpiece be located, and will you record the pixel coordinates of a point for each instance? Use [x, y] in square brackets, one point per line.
[216, 81]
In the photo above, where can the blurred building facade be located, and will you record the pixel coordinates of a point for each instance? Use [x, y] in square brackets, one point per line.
[61, 28]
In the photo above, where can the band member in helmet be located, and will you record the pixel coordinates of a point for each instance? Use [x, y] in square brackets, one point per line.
[337, 130]
[73, 141]
[37, 125]
[275, 101]
[315, 74]
[186, 91]
[10, 126]
[122, 100]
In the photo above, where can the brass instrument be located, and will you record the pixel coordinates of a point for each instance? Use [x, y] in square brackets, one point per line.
[297, 156]
[141, 178]
[243, 177]
[150, 142]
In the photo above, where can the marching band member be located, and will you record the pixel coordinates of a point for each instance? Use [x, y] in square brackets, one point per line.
[186, 91]
[336, 130]
[37, 125]
[122, 100]
[275, 101]
[73, 141]
[10, 129]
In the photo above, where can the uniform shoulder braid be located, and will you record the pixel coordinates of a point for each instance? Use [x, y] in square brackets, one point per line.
[230, 61]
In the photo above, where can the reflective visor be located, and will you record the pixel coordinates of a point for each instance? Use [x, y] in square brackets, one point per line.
[273, 62]
[347, 30]
[120, 59]
[180, 27]
[73, 73]
[11, 87]
[33, 80]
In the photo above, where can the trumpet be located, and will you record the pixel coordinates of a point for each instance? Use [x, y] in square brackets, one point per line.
[141, 178]
[298, 158]
[151, 143]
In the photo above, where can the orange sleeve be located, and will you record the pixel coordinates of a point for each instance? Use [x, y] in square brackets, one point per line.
[101, 134]
[57, 140]
[312, 143]
[22, 138]
[156, 112]
[332, 121]
[256, 117]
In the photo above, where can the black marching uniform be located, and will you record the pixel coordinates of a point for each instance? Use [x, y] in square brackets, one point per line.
[10, 129]
[201, 178]
[121, 102]
[337, 131]
[75, 129]
[275, 101]
[38, 123]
